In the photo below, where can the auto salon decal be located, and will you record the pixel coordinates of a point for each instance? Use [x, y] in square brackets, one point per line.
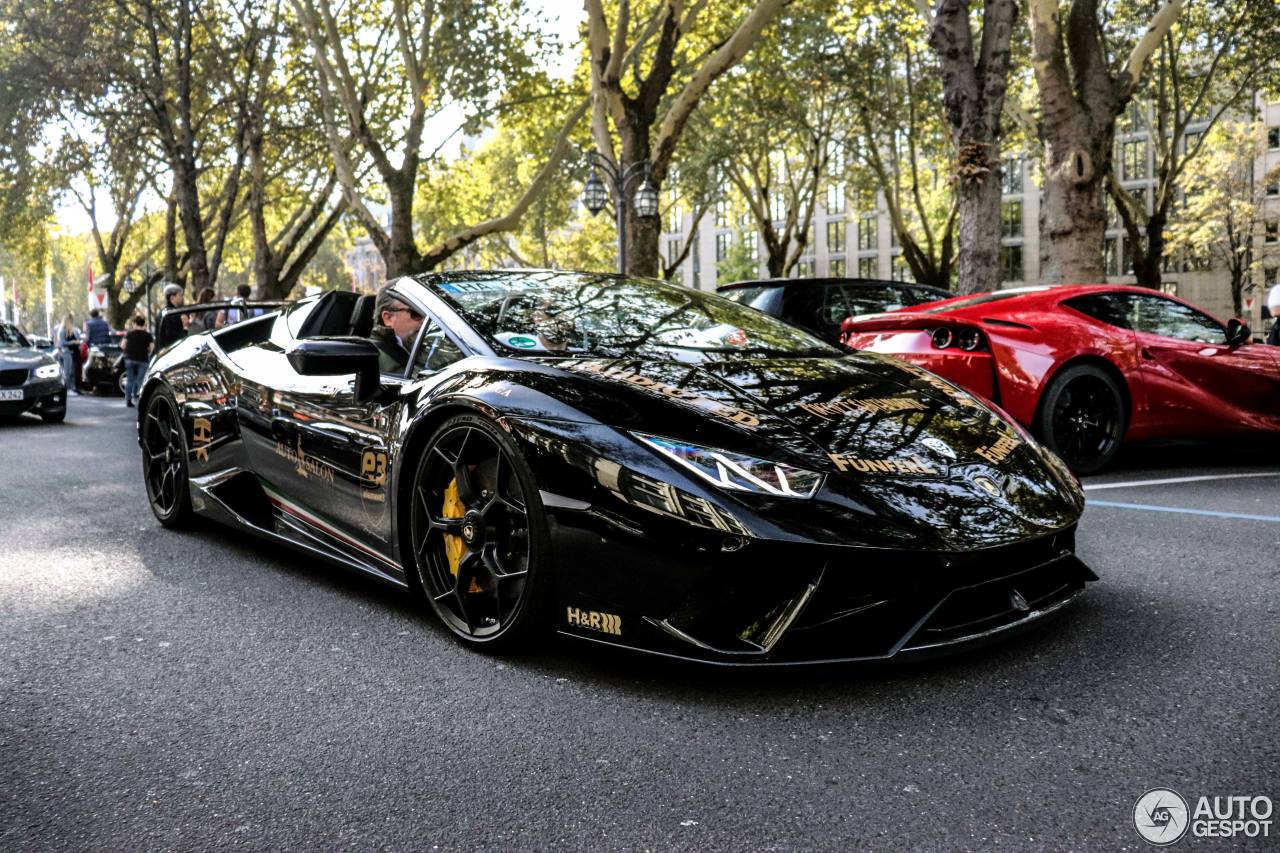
[304, 466]
[915, 466]
[201, 435]
[872, 406]
[693, 398]
[605, 623]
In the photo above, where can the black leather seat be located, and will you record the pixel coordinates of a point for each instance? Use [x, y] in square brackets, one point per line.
[362, 316]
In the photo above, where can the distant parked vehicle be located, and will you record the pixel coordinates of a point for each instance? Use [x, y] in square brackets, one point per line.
[820, 305]
[30, 380]
[1088, 367]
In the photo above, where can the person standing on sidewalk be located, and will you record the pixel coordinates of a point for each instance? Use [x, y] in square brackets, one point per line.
[173, 327]
[1273, 305]
[137, 353]
[67, 341]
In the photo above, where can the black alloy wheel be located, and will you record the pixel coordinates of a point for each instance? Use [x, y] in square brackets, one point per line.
[164, 460]
[479, 535]
[1082, 418]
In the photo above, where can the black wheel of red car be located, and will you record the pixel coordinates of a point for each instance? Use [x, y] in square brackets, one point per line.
[479, 535]
[1082, 417]
[164, 460]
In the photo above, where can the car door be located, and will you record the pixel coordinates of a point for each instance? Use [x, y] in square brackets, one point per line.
[1196, 382]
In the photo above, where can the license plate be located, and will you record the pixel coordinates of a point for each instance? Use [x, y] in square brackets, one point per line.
[10, 393]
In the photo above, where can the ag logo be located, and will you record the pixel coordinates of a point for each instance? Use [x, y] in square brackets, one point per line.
[1160, 816]
[988, 485]
[522, 341]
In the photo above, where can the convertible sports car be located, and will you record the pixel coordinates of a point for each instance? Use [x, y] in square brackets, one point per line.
[631, 462]
[1088, 367]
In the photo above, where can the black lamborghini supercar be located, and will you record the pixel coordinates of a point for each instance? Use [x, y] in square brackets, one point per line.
[629, 462]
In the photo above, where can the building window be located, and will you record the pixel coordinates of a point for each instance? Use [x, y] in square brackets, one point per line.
[1011, 219]
[835, 198]
[835, 236]
[803, 269]
[1273, 186]
[1271, 276]
[696, 257]
[835, 268]
[900, 269]
[1271, 232]
[835, 158]
[1011, 262]
[1111, 256]
[722, 213]
[723, 242]
[867, 233]
[753, 246]
[1273, 138]
[778, 206]
[674, 245]
[1134, 156]
[867, 267]
[675, 218]
[1011, 176]
[1126, 257]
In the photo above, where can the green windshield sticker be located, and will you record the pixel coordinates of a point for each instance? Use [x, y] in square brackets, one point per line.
[521, 342]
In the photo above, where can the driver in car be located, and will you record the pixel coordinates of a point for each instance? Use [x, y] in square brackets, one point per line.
[393, 332]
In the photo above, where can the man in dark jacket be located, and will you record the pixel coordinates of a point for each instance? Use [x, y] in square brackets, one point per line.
[395, 327]
[172, 328]
[97, 329]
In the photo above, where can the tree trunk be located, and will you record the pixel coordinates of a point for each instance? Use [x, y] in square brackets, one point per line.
[973, 93]
[1073, 220]
[188, 196]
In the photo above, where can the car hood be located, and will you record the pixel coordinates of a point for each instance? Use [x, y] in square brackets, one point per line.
[19, 357]
[894, 439]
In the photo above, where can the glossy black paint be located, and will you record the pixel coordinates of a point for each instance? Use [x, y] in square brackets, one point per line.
[933, 507]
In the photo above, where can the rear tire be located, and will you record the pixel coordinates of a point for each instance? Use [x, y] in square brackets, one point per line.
[1082, 417]
[164, 460]
[479, 535]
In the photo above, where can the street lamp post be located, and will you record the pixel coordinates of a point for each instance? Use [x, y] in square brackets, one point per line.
[595, 195]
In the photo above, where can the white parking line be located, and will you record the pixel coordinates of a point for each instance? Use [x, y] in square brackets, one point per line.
[1170, 480]
[1184, 511]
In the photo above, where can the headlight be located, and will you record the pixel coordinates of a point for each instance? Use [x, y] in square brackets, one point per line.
[49, 371]
[735, 472]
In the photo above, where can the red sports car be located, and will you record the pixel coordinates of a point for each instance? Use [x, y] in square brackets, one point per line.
[1088, 367]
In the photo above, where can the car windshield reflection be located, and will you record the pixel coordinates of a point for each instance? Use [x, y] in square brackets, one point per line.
[576, 315]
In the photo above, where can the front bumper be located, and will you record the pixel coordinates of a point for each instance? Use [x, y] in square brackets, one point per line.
[40, 396]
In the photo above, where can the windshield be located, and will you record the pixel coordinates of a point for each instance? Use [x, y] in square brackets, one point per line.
[576, 314]
[983, 298]
[11, 337]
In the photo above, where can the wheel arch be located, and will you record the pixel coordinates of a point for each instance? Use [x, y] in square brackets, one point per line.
[1106, 365]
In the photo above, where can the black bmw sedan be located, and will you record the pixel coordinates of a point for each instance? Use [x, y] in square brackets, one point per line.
[30, 380]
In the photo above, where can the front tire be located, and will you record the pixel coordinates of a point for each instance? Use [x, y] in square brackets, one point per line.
[164, 461]
[479, 535]
[1082, 417]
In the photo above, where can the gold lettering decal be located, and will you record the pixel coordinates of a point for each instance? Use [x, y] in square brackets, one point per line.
[605, 623]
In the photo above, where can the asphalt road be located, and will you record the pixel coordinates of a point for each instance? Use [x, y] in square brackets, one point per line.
[194, 691]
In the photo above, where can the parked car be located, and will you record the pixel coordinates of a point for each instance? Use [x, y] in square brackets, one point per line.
[627, 462]
[30, 380]
[820, 305]
[104, 368]
[1088, 367]
[39, 342]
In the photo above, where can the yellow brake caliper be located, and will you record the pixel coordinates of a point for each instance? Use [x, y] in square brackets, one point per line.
[454, 547]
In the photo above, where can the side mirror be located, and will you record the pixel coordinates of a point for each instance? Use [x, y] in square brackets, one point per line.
[1238, 333]
[338, 357]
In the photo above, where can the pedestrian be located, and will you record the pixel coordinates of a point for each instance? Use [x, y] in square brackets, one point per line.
[204, 321]
[67, 342]
[137, 352]
[173, 327]
[97, 329]
[237, 311]
[1273, 305]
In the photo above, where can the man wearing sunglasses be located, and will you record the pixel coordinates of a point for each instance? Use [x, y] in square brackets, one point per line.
[394, 331]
